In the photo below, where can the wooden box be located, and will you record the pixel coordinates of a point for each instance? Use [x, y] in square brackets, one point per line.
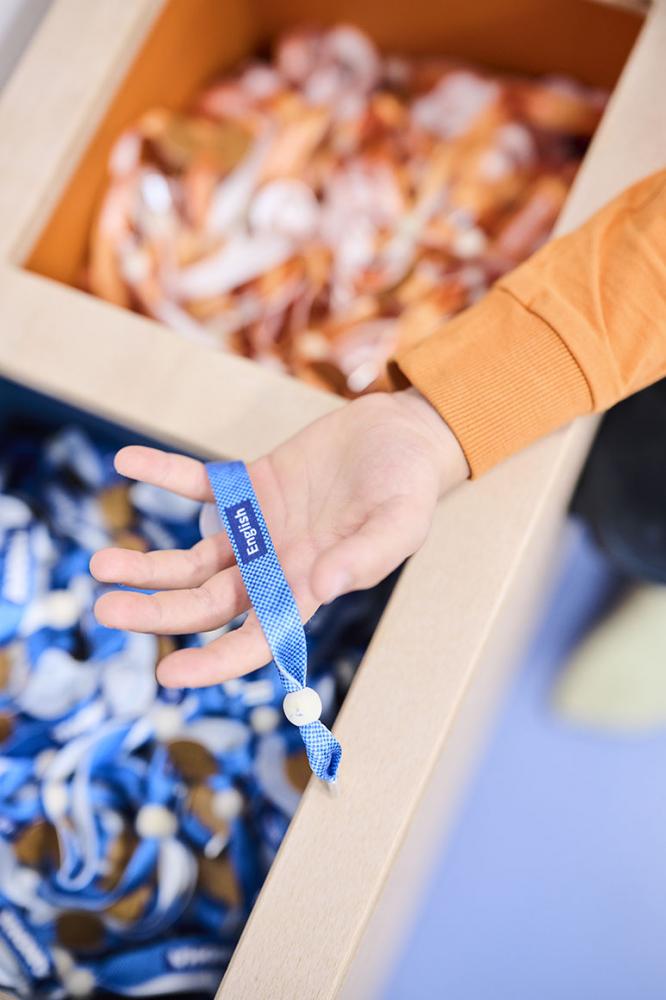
[346, 877]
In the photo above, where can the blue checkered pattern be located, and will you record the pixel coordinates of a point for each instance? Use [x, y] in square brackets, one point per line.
[271, 598]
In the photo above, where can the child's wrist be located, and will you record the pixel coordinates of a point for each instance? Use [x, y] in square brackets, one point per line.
[447, 452]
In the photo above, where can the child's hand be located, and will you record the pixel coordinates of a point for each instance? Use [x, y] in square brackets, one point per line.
[346, 501]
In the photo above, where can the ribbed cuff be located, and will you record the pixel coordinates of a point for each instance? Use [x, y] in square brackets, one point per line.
[499, 376]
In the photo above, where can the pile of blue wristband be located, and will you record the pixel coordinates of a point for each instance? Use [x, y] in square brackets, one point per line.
[137, 823]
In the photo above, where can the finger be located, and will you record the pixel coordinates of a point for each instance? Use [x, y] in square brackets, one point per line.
[178, 473]
[176, 612]
[164, 570]
[391, 534]
[232, 655]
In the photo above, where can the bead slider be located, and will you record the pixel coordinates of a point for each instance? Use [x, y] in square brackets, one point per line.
[302, 707]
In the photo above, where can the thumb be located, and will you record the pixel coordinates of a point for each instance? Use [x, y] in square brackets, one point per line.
[390, 534]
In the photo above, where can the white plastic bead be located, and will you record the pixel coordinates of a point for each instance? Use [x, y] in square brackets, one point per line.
[302, 707]
[214, 847]
[27, 880]
[264, 719]
[55, 797]
[79, 982]
[167, 721]
[227, 803]
[470, 243]
[57, 609]
[233, 687]
[61, 609]
[62, 960]
[153, 820]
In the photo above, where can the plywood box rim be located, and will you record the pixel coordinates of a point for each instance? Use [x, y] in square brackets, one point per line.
[455, 595]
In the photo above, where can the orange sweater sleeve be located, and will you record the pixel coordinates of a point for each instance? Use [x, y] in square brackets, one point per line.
[579, 326]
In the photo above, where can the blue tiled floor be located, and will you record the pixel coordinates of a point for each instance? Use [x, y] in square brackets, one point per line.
[553, 886]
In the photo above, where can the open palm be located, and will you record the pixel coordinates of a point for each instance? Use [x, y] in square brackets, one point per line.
[346, 500]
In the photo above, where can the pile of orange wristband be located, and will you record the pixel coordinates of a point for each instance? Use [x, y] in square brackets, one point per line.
[322, 210]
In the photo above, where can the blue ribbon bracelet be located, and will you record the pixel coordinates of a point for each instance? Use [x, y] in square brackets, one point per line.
[275, 607]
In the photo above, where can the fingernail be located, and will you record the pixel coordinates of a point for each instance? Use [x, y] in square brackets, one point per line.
[162, 677]
[101, 613]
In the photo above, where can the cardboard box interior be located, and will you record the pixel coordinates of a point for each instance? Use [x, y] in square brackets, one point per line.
[193, 42]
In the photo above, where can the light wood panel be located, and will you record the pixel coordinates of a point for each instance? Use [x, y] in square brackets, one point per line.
[134, 371]
[51, 105]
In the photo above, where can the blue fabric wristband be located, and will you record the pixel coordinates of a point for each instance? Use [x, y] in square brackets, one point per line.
[271, 598]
